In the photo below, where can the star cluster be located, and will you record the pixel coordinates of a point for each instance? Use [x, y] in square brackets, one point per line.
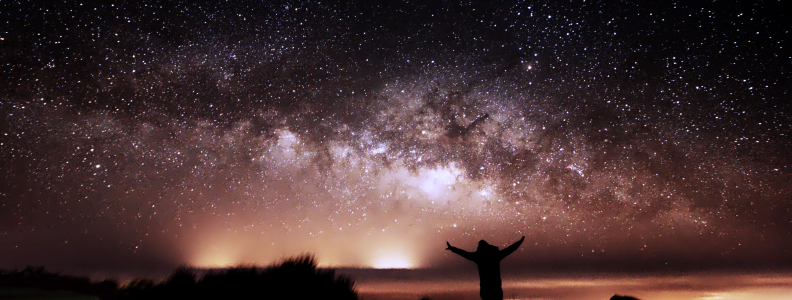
[612, 135]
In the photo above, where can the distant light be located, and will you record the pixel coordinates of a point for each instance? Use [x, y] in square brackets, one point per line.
[217, 264]
[393, 262]
[214, 259]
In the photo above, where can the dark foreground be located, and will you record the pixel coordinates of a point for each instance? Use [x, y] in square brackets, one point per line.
[299, 278]
[295, 278]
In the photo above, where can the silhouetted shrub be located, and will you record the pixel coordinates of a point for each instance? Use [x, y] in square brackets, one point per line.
[138, 288]
[40, 281]
[294, 278]
[110, 283]
[182, 277]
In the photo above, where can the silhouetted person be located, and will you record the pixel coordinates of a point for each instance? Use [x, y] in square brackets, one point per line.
[487, 257]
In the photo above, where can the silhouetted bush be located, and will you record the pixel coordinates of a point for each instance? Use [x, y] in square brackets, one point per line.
[138, 288]
[294, 278]
[38, 279]
[109, 283]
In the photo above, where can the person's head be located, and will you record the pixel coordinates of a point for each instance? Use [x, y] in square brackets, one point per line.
[484, 246]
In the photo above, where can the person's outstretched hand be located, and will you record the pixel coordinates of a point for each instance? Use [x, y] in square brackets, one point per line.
[449, 246]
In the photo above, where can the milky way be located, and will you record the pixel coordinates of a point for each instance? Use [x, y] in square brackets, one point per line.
[613, 136]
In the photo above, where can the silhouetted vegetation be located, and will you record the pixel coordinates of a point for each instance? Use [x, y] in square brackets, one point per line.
[37, 283]
[295, 278]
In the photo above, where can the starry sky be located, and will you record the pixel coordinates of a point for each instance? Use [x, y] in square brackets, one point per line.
[141, 135]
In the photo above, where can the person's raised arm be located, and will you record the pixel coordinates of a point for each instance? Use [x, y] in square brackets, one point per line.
[508, 250]
[461, 252]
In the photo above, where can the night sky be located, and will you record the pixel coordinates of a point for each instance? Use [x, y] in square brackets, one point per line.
[142, 135]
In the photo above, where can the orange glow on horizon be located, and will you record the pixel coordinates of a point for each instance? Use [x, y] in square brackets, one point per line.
[598, 286]
[393, 262]
[214, 259]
